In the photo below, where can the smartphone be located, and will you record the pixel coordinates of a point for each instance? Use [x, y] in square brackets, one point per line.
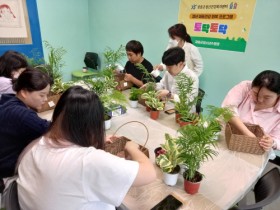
[168, 203]
[170, 111]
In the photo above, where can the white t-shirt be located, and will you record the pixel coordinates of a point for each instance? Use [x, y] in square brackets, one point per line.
[73, 178]
[168, 82]
[6, 86]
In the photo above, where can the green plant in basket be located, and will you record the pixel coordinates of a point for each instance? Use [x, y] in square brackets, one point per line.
[169, 160]
[152, 101]
[197, 142]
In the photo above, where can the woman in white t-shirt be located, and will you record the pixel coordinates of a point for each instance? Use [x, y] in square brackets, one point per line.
[180, 38]
[68, 168]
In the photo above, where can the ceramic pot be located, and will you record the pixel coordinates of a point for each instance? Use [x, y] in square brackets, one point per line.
[133, 104]
[108, 123]
[171, 178]
[154, 114]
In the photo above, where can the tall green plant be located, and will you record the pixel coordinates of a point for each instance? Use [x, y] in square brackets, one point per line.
[197, 142]
[113, 56]
[55, 60]
[147, 77]
[188, 100]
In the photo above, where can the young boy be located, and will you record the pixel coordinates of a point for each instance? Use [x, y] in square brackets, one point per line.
[174, 59]
[135, 51]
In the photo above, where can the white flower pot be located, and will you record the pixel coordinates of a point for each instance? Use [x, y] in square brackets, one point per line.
[170, 179]
[133, 104]
[108, 124]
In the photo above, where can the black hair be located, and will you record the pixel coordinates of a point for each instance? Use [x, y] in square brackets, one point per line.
[79, 118]
[11, 61]
[180, 31]
[173, 56]
[268, 79]
[31, 80]
[134, 46]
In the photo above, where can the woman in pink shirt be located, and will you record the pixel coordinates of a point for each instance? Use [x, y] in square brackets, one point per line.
[257, 102]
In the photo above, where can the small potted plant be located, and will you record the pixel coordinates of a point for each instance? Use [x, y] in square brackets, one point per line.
[168, 160]
[104, 87]
[197, 143]
[53, 68]
[154, 103]
[185, 107]
[134, 95]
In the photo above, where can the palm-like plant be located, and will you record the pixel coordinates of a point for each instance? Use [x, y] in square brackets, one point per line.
[197, 142]
[187, 98]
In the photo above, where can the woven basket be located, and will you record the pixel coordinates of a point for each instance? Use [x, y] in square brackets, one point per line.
[241, 143]
[118, 144]
[51, 103]
[122, 84]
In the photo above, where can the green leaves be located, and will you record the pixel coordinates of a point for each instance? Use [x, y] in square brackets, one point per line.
[170, 159]
[152, 101]
[135, 93]
[187, 101]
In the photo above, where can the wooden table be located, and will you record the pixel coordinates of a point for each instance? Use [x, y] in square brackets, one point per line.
[228, 177]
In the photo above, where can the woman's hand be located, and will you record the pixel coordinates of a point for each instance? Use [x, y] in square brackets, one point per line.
[266, 142]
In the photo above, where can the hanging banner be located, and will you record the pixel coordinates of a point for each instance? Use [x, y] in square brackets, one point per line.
[218, 24]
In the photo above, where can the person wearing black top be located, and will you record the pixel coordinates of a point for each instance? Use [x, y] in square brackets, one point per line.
[135, 51]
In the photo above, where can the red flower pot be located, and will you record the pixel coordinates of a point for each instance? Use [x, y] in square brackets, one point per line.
[191, 187]
[154, 114]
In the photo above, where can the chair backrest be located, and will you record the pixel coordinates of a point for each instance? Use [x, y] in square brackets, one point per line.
[2, 185]
[11, 197]
[91, 60]
[266, 190]
[268, 186]
[198, 107]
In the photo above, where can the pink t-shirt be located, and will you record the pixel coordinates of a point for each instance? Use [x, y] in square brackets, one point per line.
[240, 98]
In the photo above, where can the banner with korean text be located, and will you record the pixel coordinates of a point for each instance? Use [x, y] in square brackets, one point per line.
[218, 24]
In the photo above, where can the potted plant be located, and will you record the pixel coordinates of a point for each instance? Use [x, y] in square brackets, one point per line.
[168, 160]
[53, 68]
[154, 103]
[185, 107]
[104, 87]
[197, 143]
[134, 95]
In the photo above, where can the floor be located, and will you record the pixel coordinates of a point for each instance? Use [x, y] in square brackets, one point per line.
[276, 204]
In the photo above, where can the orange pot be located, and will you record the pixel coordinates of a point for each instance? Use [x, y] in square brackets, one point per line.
[154, 114]
[177, 117]
[191, 187]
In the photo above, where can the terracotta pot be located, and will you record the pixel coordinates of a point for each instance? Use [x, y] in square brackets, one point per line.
[177, 117]
[191, 187]
[183, 123]
[148, 108]
[154, 114]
